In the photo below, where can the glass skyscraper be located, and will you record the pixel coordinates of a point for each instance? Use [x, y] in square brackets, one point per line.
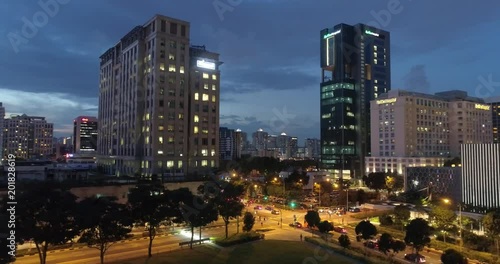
[355, 63]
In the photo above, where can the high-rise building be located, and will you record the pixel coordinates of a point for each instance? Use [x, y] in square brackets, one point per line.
[312, 148]
[283, 144]
[259, 139]
[227, 143]
[158, 103]
[2, 129]
[495, 114]
[411, 129]
[481, 175]
[28, 137]
[293, 147]
[271, 142]
[85, 134]
[239, 143]
[356, 68]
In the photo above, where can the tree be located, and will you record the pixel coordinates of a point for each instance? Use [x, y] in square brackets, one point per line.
[104, 222]
[443, 218]
[451, 256]
[197, 212]
[401, 214]
[325, 227]
[226, 197]
[375, 181]
[248, 221]
[385, 220]
[491, 223]
[418, 234]
[312, 218]
[46, 215]
[344, 241]
[385, 242]
[397, 246]
[150, 208]
[365, 230]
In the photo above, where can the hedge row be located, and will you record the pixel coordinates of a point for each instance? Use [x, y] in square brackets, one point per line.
[239, 239]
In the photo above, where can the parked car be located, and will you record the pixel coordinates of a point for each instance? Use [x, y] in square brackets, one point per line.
[275, 212]
[354, 210]
[371, 244]
[417, 258]
[340, 229]
[258, 207]
[296, 224]
[269, 208]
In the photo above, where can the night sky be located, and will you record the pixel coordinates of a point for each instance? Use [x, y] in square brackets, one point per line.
[270, 49]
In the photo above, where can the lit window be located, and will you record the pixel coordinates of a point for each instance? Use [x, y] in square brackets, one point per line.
[205, 97]
[204, 152]
[147, 116]
[205, 75]
[147, 140]
[160, 139]
[181, 116]
[170, 139]
[204, 163]
[170, 128]
[171, 56]
[160, 152]
[205, 131]
[375, 61]
[214, 87]
[212, 152]
[171, 68]
[181, 69]
[195, 130]
[205, 86]
[162, 66]
[170, 163]
[196, 96]
[160, 128]
[179, 164]
[196, 119]
[214, 77]
[213, 98]
[212, 163]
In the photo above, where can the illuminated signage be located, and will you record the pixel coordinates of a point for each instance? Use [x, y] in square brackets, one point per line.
[369, 32]
[387, 101]
[205, 64]
[85, 119]
[329, 35]
[482, 107]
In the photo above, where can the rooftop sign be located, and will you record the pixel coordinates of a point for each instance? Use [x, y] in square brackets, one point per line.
[387, 101]
[205, 64]
[482, 107]
[329, 35]
[369, 32]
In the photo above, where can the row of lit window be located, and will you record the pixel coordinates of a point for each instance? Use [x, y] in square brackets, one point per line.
[205, 97]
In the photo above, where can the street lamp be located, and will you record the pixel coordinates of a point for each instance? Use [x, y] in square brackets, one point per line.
[448, 201]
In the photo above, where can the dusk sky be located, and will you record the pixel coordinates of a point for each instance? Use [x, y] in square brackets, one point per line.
[270, 49]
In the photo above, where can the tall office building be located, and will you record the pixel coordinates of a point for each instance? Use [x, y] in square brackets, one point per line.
[495, 115]
[85, 134]
[356, 68]
[158, 103]
[481, 175]
[28, 137]
[293, 147]
[312, 148]
[227, 143]
[2, 129]
[259, 139]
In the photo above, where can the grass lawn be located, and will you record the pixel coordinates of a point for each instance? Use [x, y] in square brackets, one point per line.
[266, 251]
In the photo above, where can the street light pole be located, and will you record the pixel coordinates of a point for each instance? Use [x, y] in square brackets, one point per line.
[460, 223]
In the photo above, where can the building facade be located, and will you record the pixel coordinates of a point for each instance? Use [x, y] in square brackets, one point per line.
[355, 62]
[481, 175]
[399, 165]
[2, 129]
[227, 143]
[158, 103]
[312, 148]
[28, 137]
[85, 134]
[495, 115]
[259, 139]
[440, 181]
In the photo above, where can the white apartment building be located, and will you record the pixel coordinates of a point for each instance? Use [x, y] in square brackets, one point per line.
[158, 103]
[410, 129]
[28, 137]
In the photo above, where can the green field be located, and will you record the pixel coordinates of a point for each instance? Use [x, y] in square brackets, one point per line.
[266, 251]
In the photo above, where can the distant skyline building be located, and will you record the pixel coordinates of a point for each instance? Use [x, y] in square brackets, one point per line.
[229, 143]
[356, 68]
[2, 129]
[312, 148]
[28, 137]
[481, 175]
[495, 115]
[159, 103]
[259, 139]
[85, 134]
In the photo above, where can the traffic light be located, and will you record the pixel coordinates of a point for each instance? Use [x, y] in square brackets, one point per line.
[265, 198]
[292, 204]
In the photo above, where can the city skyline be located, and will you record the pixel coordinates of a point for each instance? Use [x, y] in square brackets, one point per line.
[60, 94]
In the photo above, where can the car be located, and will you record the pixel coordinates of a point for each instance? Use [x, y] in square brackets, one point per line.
[371, 244]
[258, 207]
[340, 229]
[354, 210]
[276, 212]
[417, 258]
[269, 208]
[296, 224]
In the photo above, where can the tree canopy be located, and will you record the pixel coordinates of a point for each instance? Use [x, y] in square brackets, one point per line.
[418, 233]
[366, 230]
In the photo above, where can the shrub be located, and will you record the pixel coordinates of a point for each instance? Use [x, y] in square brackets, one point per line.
[385, 220]
[239, 238]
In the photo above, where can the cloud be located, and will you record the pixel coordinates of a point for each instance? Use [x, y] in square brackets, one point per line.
[416, 80]
[57, 108]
